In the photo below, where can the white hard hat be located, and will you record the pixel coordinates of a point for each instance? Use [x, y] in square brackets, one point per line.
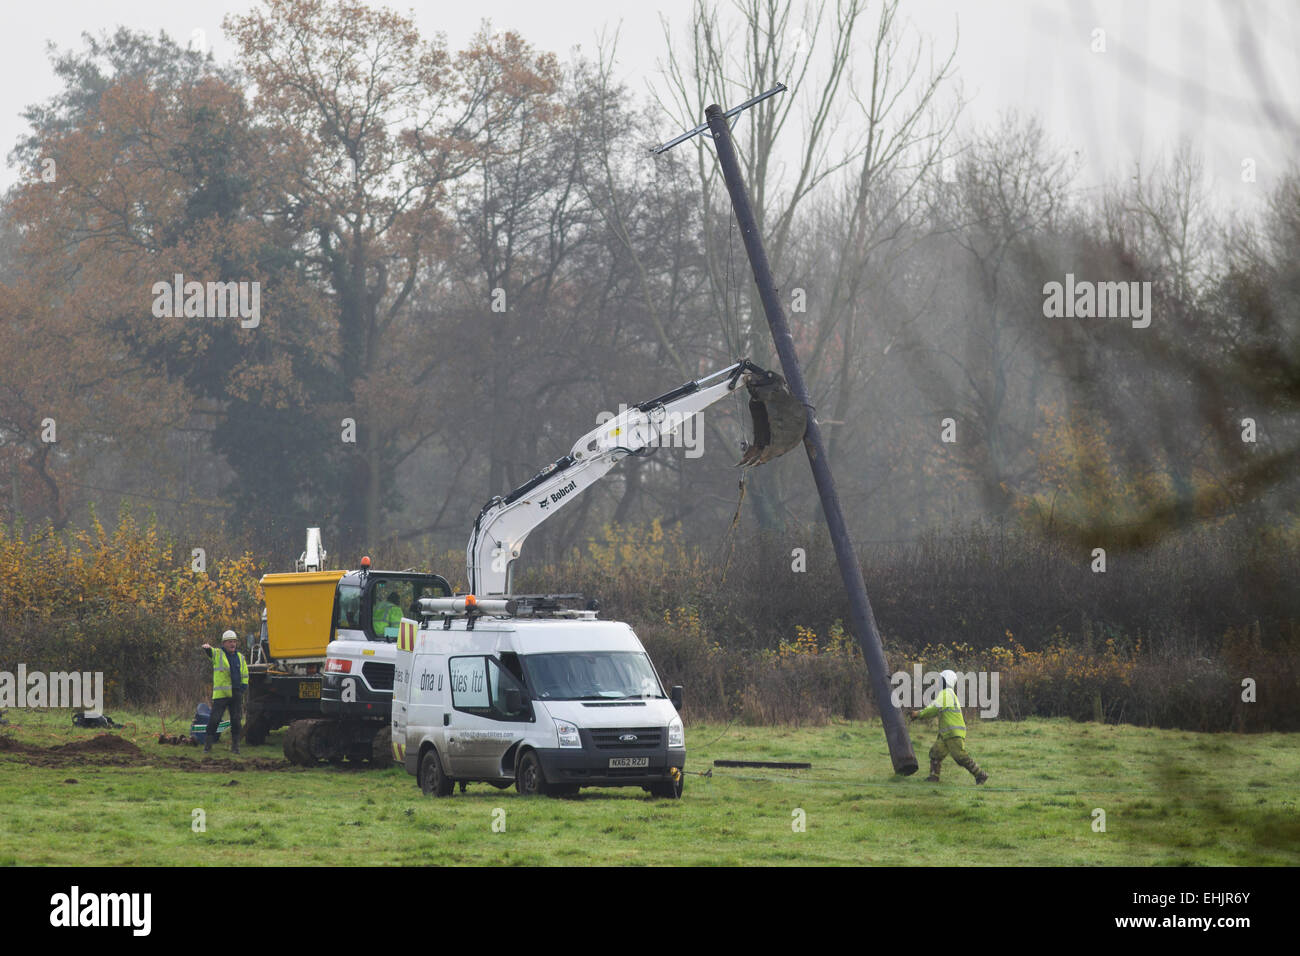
[229, 636]
[949, 678]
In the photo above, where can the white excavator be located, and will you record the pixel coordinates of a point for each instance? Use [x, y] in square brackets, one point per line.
[323, 663]
[504, 523]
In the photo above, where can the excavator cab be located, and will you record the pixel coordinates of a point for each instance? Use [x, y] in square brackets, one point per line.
[392, 597]
[370, 605]
[356, 684]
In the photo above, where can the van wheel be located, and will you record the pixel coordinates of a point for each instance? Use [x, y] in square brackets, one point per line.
[530, 781]
[669, 789]
[433, 782]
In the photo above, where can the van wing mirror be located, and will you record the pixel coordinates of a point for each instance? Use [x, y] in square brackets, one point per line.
[675, 695]
[514, 700]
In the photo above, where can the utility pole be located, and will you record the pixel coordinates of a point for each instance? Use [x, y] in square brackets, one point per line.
[861, 616]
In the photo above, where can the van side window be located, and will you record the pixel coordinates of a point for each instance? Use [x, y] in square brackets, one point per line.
[508, 699]
[469, 690]
[510, 661]
[481, 686]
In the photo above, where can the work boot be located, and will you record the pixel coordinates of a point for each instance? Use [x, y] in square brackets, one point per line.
[981, 777]
[934, 771]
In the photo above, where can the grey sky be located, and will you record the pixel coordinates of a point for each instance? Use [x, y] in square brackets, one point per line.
[1171, 68]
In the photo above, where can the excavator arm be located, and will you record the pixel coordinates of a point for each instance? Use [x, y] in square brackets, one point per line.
[505, 522]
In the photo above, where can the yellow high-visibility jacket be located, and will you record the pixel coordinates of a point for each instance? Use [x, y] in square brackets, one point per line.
[221, 673]
[386, 618]
[946, 705]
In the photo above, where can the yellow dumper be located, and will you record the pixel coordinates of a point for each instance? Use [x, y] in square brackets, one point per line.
[324, 662]
[284, 673]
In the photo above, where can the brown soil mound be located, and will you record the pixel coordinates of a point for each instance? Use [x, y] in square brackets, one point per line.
[102, 744]
[107, 750]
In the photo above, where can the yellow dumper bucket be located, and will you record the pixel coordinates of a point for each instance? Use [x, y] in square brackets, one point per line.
[299, 609]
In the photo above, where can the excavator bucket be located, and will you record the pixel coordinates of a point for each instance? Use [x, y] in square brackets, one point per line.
[778, 417]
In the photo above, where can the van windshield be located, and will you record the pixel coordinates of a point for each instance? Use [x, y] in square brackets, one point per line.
[591, 675]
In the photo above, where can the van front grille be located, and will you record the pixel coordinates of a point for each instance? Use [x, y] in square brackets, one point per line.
[647, 738]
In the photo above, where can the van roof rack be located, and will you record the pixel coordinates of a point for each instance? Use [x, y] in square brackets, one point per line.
[555, 605]
[519, 606]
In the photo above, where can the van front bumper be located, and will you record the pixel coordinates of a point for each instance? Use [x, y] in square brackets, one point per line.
[591, 768]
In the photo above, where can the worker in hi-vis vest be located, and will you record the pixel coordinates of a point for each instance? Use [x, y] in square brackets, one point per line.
[387, 616]
[229, 678]
[952, 731]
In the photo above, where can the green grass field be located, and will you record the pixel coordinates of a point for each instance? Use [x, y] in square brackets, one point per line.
[1170, 798]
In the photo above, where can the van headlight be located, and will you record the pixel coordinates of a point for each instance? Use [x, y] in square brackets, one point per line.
[676, 734]
[568, 734]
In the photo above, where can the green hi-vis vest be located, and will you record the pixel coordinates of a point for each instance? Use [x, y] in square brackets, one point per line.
[948, 708]
[387, 618]
[221, 672]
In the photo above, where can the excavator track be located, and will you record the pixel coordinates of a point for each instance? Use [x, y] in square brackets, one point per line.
[309, 742]
[296, 750]
[381, 750]
[256, 729]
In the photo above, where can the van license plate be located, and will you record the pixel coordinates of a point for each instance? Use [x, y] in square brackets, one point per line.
[308, 690]
[629, 762]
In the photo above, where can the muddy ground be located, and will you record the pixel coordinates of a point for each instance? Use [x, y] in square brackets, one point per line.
[109, 750]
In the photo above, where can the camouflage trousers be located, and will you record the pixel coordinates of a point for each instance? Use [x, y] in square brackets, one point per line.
[956, 747]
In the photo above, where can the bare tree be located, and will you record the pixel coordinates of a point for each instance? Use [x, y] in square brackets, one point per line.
[1164, 217]
[984, 367]
[727, 62]
[874, 138]
[907, 136]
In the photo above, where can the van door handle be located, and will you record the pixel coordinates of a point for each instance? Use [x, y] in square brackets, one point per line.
[446, 720]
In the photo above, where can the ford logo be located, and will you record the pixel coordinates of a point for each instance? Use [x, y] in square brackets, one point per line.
[628, 738]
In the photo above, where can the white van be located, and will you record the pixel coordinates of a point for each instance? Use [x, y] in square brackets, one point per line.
[548, 703]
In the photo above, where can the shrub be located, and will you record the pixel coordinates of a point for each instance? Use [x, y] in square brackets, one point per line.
[125, 603]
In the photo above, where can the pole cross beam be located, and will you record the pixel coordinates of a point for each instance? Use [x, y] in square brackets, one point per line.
[734, 111]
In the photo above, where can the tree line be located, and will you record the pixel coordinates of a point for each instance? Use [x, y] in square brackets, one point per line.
[464, 256]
